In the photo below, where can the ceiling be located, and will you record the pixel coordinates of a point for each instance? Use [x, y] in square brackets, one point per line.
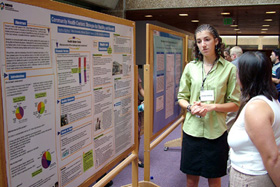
[250, 19]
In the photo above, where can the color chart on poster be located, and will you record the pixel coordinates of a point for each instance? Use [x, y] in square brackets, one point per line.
[68, 94]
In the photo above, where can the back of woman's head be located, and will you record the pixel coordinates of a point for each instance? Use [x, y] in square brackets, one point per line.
[255, 76]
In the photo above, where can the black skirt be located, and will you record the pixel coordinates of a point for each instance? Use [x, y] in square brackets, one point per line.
[204, 157]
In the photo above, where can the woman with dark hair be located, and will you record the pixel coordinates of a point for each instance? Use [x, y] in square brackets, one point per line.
[255, 136]
[208, 90]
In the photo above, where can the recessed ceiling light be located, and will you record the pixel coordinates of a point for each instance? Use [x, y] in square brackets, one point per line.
[264, 29]
[236, 29]
[263, 32]
[195, 21]
[239, 32]
[148, 16]
[270, 12]
[233, 25]
[265, 25]
[225, 13]
[183, 14]
[268, 20]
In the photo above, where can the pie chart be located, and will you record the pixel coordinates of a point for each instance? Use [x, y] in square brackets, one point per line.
[41, 107]
[46, 159]
[19, 112]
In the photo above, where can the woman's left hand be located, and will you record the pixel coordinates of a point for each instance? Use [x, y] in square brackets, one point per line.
[209, 107]
[199, 109]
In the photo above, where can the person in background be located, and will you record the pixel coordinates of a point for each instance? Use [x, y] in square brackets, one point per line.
[255, 136]
[140, 117]
[235, 53]
[208, 90]
[227, 54]
[275, 59]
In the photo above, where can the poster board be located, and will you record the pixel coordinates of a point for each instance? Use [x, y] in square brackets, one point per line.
[177, 55]
[68, 95]
[166, 55]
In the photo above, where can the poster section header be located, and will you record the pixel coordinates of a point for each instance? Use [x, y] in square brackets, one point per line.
[14, 76]
[167, 35]
[20, 22]
[61, 20]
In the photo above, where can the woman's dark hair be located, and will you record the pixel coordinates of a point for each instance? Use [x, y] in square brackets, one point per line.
[254, 71]
[219, 50]
[227, 50]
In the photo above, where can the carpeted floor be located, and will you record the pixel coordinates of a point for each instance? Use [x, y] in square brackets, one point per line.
[164, 166]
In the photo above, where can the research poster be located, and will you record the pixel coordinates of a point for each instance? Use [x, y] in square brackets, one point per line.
[168, 61]
[67, 88]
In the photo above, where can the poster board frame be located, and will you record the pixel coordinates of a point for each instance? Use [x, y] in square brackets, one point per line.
[151, 140]
[150, 61]
[122, 159]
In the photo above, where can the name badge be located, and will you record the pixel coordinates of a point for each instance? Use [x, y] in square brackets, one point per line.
[207, 95]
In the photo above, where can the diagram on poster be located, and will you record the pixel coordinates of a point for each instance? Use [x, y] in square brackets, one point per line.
[30, 117]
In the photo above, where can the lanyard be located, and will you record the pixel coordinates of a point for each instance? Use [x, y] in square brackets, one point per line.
[204, 79]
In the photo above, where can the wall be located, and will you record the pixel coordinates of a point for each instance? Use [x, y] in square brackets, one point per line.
[147, 4]
[252, 42]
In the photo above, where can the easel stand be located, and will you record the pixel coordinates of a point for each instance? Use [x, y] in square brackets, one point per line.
[133, 158]
[173, 143]
[148, 121]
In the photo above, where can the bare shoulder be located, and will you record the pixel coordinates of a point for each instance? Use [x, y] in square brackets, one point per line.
[258, 105]
[258, 110]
